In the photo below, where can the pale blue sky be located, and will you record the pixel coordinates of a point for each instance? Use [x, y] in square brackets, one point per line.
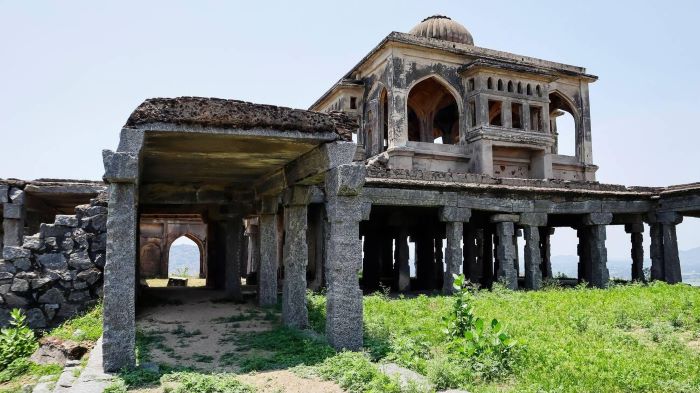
[72, 71]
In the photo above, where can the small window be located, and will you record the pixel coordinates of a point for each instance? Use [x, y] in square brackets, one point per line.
[535, 118]
[472, 113]
[510, 86]
[353, 102]
[470, 84]
[539, 91]
[489, 84]
[517, 115]
[495, 113]
[529, 90]
[500, 85]
[520, 88]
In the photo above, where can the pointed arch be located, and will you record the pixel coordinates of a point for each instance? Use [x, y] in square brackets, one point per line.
[565, 124]
[433, 109]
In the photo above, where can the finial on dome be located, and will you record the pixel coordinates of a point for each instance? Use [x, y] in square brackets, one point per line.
[442, 27]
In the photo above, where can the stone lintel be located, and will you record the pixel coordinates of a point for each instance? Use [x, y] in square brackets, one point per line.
[533, 219]
[504, 218]
[346, 180]
[311, 167]
[297, 196]
[634, 228]
[12, 211]
[454, 214]
[597, 219]
[120, 167]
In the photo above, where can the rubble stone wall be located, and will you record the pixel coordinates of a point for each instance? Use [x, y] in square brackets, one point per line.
[57, 272]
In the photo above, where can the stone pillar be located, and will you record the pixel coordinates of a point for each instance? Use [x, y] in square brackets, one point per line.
[637, 252]
[398, 117]
[14, 215]
[295, 254]
[584, 260]
[595, 226]
[505, 250]
[119, 288]
[656, 251]
[344, 211]
[233, 246]
[267, 274]
[454, 219]
[672, 263]
[401, 256]
[532, 222]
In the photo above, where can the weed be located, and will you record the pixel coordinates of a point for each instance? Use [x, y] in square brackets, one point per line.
[191, 382]
[198, 357]
[17, 340]
[181, 332]
[622, 320]
[85, 327]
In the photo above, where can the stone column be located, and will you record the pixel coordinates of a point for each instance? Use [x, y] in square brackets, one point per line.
[233, 239]
[398, 117]
[401, 256]
[546, 251]
[344, 210]
[637, 252]
[14, 215]
[119, 288]
[454, 219]
[656, 251]
[532, 222]
[505, 250]
[595, 226]
[295, 254]
[672, 263]
[267, 274]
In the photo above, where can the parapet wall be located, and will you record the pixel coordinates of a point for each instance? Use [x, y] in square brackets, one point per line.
[57, 272]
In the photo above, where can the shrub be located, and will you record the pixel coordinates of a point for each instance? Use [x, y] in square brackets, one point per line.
[445, 373]
[488, 346]
[192, 382]
[355, 373]
[16, 341]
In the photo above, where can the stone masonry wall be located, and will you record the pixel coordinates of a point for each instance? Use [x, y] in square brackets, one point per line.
[57, 272]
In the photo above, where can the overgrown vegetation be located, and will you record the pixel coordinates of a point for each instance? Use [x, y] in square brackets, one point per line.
[17, 340]
[84, 327]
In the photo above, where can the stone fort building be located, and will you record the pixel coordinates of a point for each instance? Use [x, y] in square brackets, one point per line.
[429, 140]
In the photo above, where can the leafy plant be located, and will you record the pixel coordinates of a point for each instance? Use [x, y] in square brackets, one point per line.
[16, 341]
[192, 382]
[488, 345]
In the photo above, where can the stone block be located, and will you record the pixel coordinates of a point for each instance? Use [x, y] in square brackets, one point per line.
[7, 267]
[50, 310]
[66, 220]
[95, 210]
[82, 284]
[36, 318]
[20, 285]
[99, 243]
[52, 230]
[669, 218]
[54, 261]
[90, 276]
[346, 180]
[51, 243]
[79, 296]
[504, 218]
[53, 295]
[15, 300]
[67, 245]
[454, 214]
[40, 282]
[16, 196]
[67, 310]
[95, 223]
[32, 243]
[10, 253]
[80, 260]
[100, 260]
[6, 276]
[4, 193]
[634, 228]
[12, 211]
[5, 288]
[22, 264]
[120, 167]
[533, 219]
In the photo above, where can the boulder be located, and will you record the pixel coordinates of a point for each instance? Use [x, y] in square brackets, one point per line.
[54, 261]
[10, 253]
[14, 300]
[52, 230]
[99, 243]
[6, 275]
[90, 275]
[5, 288]
[32, 243]
[80, 260]
[20, 285]
[53, 350]
[53, 295]
[96, 223]
[22, 264]
[36, 319]
[50, 310]
[66, 220]
[79, 296]
[67, 245]
[8, 267]
[40, 282]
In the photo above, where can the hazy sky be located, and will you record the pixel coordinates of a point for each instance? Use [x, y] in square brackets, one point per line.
[71, 72]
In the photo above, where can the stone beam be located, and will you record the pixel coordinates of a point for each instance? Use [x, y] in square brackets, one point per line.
[120, 167]
[311, 167]
[171, 193]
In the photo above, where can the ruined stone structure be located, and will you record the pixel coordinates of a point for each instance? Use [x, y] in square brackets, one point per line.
[456, 152]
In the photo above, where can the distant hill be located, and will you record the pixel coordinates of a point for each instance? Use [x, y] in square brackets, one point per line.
[619, 268]
[184, 256]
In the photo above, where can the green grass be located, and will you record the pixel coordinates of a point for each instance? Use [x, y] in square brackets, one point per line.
[630, 338]
[85, 327]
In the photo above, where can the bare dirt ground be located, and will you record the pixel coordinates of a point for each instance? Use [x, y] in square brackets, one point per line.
[196, 330]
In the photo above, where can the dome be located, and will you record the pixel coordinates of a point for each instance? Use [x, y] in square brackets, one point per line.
[443, 28]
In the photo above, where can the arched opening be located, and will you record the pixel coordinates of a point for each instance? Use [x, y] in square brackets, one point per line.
[510, 86]
[433, 113]
[384, 102]
[562, 125]
[489, 83]
[185, 261]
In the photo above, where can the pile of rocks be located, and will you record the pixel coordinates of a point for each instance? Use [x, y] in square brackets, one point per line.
[57, 272]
